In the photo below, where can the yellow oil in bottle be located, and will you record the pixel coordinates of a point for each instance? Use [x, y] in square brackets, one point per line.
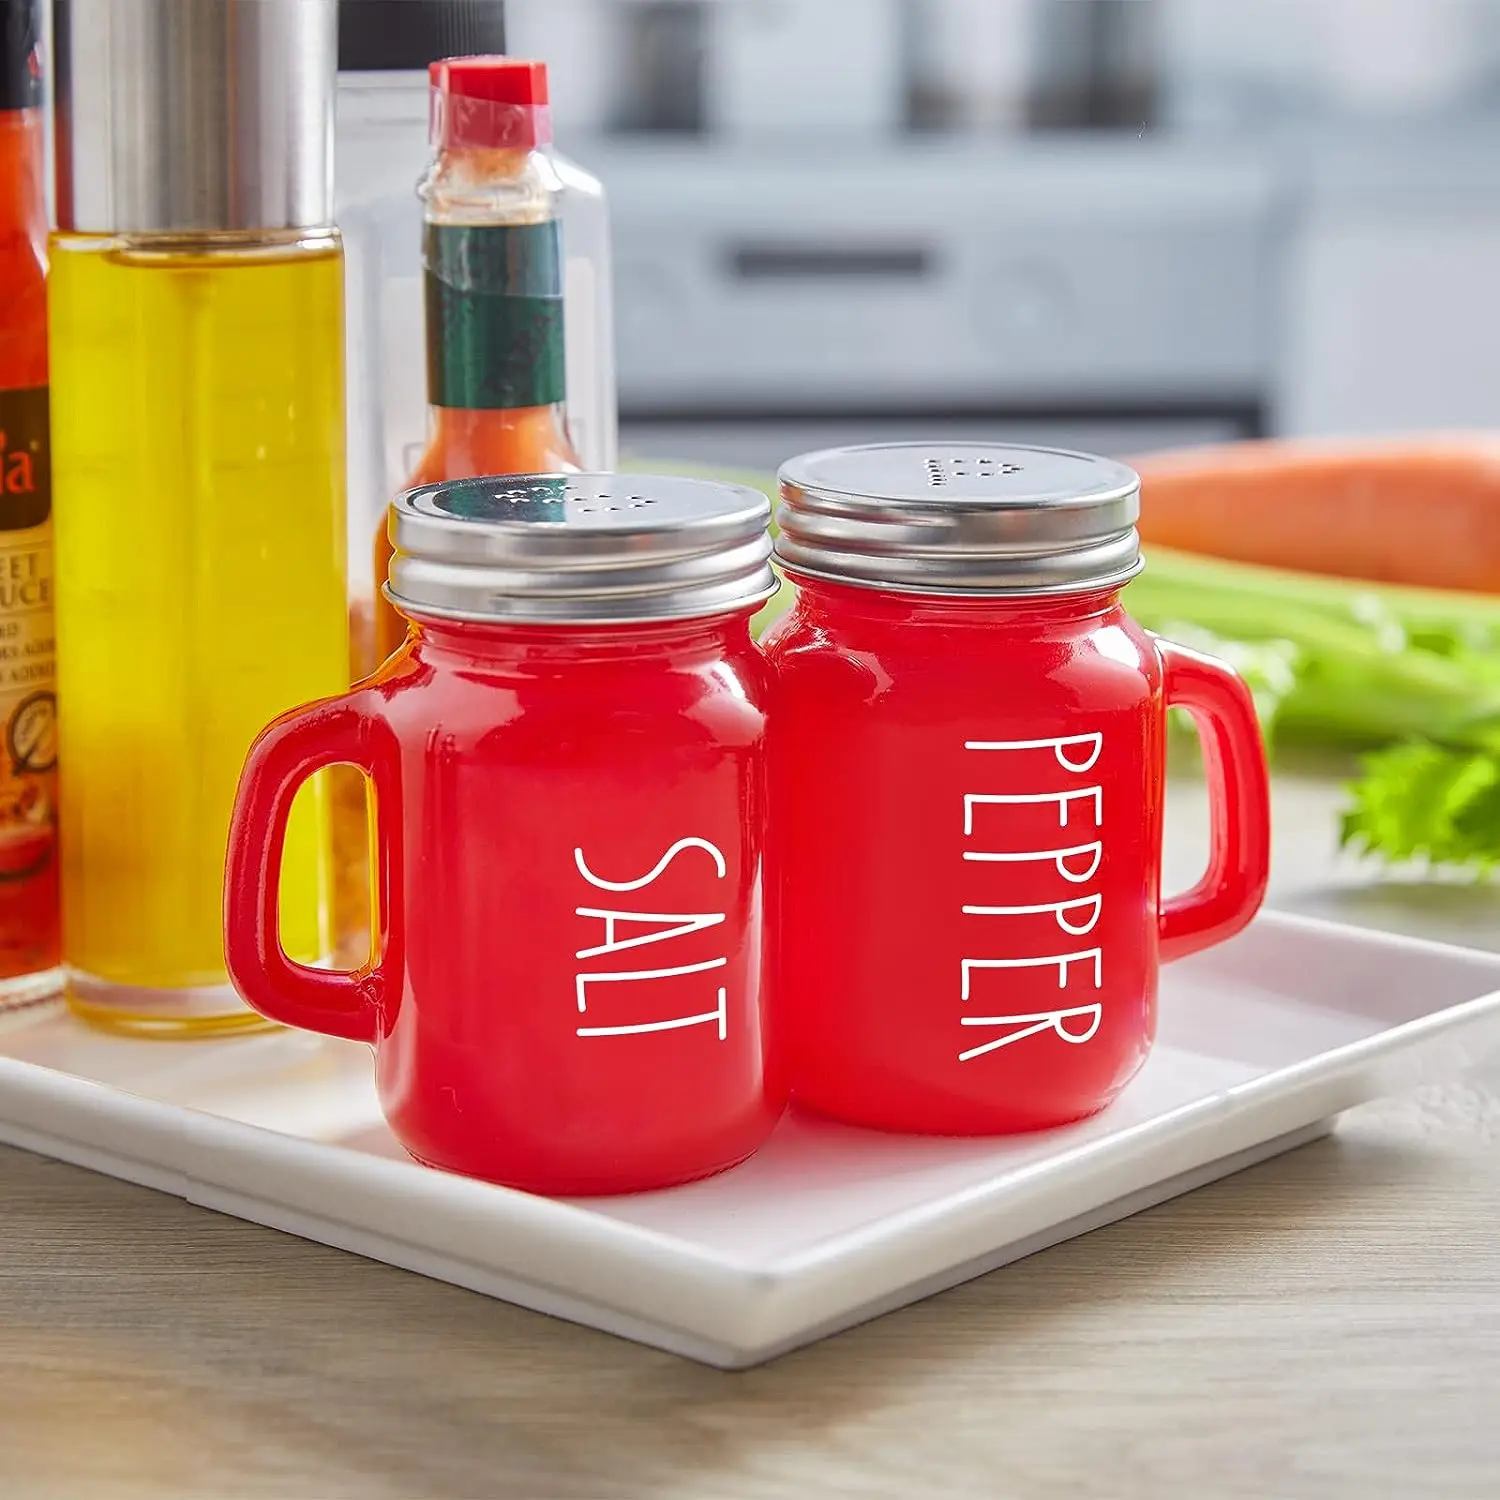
[198, 473]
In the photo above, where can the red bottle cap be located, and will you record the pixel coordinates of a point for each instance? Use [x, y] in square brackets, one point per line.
[495, 103]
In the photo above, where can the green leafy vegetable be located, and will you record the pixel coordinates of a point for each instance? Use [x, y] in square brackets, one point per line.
[1372, 664]
[1421, 801]
[1413, 671]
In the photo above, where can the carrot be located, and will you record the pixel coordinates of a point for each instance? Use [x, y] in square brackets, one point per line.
[1423, 511]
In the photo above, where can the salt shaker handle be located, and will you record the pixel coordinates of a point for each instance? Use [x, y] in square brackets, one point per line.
[348, 729]
[1239, 856]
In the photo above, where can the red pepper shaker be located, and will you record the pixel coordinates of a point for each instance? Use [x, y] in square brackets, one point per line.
[567, 756]
[967, 783]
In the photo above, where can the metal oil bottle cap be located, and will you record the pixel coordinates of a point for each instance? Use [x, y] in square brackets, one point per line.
[579, 549]
[185, 116]
[960, 518]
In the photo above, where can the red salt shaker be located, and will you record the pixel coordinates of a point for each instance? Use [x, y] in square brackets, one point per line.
[966, 783]
[567, 760]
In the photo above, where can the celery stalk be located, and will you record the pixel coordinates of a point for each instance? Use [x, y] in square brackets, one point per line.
[1374, 663]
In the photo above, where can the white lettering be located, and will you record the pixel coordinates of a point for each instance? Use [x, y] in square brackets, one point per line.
[681, 923]
[1056, 746]
[720, 1014]
[1077, 916]
[1062, 960]
[1063, 799]
[1095, 904]
[1033, 1024]
[634, 885]
[624, 930]
[1060, 858]
[582, 981]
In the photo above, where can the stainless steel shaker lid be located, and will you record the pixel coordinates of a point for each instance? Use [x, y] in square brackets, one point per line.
[579, 549]
[960, 518]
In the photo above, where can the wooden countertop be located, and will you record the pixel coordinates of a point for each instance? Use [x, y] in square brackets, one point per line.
[1327, 1324]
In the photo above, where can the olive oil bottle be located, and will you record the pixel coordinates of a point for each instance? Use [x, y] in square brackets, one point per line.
[196, 324]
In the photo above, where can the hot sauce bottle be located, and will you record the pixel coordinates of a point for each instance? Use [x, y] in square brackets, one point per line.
[493, 273]
[492, 261]
[29, 926]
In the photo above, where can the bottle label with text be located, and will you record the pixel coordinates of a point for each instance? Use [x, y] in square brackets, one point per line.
[27, 668]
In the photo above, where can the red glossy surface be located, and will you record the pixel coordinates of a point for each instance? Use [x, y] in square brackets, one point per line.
[965, 851]
[30, 915]
[570, 853]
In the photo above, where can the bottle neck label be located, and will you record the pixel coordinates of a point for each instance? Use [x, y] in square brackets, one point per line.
[494, 295]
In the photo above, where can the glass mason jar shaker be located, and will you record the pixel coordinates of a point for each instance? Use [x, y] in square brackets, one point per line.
[967, 772]
[567, 757]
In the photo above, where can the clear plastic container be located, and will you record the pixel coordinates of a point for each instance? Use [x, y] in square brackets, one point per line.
[383, 149]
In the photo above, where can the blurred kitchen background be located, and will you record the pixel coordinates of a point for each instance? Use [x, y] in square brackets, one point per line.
[1115, 224]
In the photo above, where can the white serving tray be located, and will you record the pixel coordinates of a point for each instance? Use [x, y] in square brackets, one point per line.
[1262, 1043]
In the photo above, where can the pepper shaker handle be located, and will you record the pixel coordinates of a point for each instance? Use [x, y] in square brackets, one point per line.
[1239, 856]
[344, 730]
